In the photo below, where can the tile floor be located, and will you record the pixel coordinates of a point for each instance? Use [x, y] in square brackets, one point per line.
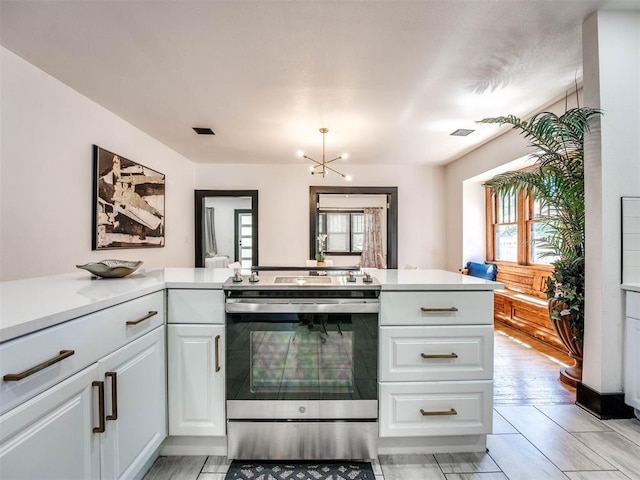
[538, 433]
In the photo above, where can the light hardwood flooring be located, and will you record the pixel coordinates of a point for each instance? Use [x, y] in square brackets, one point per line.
[538, 432]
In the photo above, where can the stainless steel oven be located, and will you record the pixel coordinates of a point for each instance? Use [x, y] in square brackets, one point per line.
[301, 377]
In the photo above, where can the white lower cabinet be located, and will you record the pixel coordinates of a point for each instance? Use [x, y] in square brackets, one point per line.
[58, 425]
[632, 352]
[106, 418]
[135, 405]
[196, 380]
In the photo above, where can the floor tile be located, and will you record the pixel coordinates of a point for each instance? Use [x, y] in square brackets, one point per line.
[603, 475]
[573, 418]
[519, 460]
[629, 428]
[616, 449]
[176, 468]
[409, 467]
[216, 464]
[558, 445]
[466, 463]
[476, 476]
[500, 425]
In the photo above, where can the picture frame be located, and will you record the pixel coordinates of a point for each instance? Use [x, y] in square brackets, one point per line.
[128, 203]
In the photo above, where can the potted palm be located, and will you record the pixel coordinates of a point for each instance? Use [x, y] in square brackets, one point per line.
[556, 180]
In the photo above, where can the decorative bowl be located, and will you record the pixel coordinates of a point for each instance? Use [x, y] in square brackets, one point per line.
[111, 268]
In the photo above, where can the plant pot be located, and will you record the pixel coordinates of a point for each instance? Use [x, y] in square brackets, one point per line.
[573, 374]
[320, 264]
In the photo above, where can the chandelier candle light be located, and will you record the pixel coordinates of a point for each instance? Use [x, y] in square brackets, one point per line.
[323, 168]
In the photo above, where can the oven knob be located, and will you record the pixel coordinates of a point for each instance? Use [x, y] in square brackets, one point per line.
[302, 409]
[237, 278]
[367, 278]
[351, 277]
[254, 277]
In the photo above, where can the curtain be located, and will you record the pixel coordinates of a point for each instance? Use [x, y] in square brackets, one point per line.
[372, 254]
[210, 246]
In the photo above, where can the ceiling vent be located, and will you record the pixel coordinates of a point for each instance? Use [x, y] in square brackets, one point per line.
[462, 132]
[203, 131]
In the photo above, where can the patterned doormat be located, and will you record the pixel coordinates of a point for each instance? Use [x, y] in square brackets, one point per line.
[299, 470]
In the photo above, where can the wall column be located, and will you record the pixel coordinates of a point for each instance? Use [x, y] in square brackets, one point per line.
[611, 62]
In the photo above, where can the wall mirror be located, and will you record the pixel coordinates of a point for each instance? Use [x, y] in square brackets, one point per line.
[339, 212]
[226, 224]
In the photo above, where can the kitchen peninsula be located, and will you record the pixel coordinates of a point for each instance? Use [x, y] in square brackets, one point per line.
[84, 368]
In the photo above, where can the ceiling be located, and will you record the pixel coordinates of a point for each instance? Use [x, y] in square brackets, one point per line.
[389, 79]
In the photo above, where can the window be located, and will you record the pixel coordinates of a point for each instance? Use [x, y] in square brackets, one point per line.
[514, 224]
[345, 231]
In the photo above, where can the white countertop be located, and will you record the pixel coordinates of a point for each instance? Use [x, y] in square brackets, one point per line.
[33, 304]
[631, 287]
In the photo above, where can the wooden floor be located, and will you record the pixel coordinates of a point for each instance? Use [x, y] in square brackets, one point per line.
[538, 433]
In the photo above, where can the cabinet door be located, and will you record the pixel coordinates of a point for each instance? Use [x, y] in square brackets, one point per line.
[632, 362]
[196, 380]
[51, 436]
[135, 405]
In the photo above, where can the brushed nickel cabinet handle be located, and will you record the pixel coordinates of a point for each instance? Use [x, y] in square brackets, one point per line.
[436, 310]
[142, 319]
[438, 355]
[438, 412]
[217, 342]
[100, 427]
[14, 377]
[114, 395]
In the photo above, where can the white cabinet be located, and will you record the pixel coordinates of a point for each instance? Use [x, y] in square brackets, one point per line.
[632, 352]
[98, 410]
[196, 380]
[436, 369]
[135, 405]
[196, 354]
[51, 436]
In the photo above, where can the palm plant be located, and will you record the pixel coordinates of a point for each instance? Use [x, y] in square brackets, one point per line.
[556, 180]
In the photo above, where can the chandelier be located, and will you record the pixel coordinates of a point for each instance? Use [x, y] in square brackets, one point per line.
[322, 168]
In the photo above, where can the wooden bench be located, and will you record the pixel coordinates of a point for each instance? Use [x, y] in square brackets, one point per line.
[523, 304]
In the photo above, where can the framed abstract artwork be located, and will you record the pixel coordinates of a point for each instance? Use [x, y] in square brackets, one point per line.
[128, 203]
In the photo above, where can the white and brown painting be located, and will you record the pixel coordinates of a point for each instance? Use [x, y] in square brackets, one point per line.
[129, 203]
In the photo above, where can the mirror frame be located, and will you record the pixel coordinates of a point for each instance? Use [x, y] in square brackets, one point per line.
[392, 215]
[200, 195]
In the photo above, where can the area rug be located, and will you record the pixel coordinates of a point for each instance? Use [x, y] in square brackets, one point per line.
[299, 470]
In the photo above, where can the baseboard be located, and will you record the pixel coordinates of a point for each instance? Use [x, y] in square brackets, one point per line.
[603, 405]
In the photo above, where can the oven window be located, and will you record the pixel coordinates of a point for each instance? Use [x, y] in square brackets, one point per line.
[302, 356]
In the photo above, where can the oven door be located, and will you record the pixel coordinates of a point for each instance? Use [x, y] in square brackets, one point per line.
[302, 364]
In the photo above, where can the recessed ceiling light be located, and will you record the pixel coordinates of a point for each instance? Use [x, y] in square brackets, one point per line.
[203, 131]
[462, 132]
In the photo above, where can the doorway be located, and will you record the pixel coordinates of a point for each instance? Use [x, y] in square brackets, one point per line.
[215, 226]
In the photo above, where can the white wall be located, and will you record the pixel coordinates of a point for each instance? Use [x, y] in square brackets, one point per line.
[464, 205]
[283, 199]
[224, 219]
[611, 59]
[47, 133]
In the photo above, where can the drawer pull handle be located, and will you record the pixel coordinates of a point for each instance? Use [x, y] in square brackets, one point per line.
[436, 310]
[100, 427]
[438, 412]
[114, 395]
[142, 319]
[217, 342]
[439, 355]
[14, 377]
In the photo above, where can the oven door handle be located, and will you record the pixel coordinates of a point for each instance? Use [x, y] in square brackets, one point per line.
[304, 306]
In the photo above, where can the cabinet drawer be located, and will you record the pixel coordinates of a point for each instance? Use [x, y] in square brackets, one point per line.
[89, 337]
[195, 306]
[633, 305]
[436, 353]
[436, 308]
[435, 409]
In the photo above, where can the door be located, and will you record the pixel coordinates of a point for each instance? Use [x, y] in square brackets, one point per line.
[57, 424]
[135, 405]
[196, 380]
[244, 237]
